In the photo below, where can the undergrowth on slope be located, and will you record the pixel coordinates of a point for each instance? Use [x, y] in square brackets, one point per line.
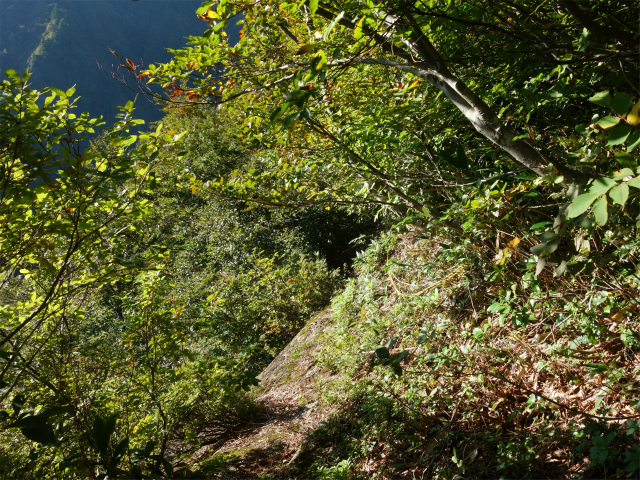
[459, 363]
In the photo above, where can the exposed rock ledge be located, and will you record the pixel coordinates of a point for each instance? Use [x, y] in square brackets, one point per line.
[291, 409]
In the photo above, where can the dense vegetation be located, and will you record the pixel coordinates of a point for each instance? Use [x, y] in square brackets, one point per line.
[490, 330]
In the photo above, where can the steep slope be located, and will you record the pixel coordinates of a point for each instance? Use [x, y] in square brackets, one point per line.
[413, 374]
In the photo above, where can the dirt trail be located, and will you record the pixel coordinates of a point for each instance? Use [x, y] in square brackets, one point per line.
[291, 409]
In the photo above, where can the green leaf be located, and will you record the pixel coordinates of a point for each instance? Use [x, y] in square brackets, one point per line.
[545, 248]
[601, 185]
[28, 421]
[495, 307]
[168, 467]
[461, 157]
[205, 6]
[620, 194]
[35, 428]
[596, 368]
[581, 204]
[12, 74]
[102, 430]
[608, 122]
[401, 357]
[289, 120]
[53, 411]
[424, 336]
[618, 135]
[382, 353]
[277, 113]
[319, 60]
[540, 225]
[357, 32]
[626, 160]
[620, 103]
[306, 113]
[306, 48]
[457, 161]
[46, 264]
[583, 43]
[313, 6]
[634, 182]
[539, 248]
[17, 403]
[602, 98]
[598, 455]
[391, 342]
[57, 91]
[121, 449]
[123, 141]
[634, 141]
[622, 174]
[600, 211]
[560, 269]
[148, 448]
[43, 434]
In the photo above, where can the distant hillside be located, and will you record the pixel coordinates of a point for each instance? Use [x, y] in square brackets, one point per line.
[63, 42]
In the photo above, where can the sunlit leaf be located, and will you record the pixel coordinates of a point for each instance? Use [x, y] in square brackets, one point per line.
[600, 211]
[620, 194]
[601, 185]
[581, 204]
[304, 49]
[602, 98]
[633, 116]
[608, 122]
[634, 182]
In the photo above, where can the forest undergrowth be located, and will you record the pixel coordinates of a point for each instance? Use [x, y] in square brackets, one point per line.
[456, 363]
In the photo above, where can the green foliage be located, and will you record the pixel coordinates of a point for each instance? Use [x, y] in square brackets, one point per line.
[169, 304]
[482, 336]
[339, 471]
[611, 192]
[362, 121]
[64, 211]
[491, 332]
